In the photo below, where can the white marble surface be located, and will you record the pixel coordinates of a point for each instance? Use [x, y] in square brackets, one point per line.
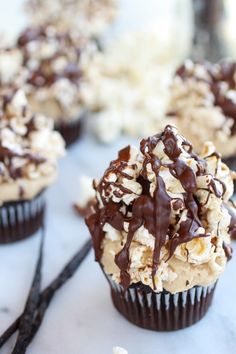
[81, 318]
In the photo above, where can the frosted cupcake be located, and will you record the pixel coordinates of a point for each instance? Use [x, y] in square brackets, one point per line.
[90, 18]
[29, 149]
[161, 230]
[54, 61]
[203, 105]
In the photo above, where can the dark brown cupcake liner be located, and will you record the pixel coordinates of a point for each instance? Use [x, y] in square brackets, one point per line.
[21, 219]
[70, 131]
[161, 311]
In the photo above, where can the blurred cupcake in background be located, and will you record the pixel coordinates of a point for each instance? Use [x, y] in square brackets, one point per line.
[161, 228]
[203, 105]
[12, 72]
[119, 350]
[127, 88]
[55, 62]
[29, 149]
[90, 18]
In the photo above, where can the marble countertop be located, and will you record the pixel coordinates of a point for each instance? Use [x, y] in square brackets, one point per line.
[81, 318]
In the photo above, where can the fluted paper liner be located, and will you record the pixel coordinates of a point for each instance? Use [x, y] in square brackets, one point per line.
[161, 311]
[70, 131]
[21, 219]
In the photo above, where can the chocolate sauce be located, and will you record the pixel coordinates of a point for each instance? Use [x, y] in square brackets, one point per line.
[151, 211]
[188, 228]
[44, 74]
[154, 214]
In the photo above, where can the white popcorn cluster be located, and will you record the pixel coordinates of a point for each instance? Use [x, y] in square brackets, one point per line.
[90, 18]
[128, 86]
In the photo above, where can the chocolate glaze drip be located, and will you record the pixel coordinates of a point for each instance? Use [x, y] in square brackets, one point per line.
[189, 228]
[180, 170]
[45, 75]
[95, 221]
[223, 72]
[150, 210]
[154, 214]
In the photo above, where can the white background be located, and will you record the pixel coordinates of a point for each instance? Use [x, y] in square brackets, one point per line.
[81, 318]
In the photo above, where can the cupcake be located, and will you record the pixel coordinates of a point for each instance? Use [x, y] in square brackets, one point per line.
[203, 105]
[90, 18]
[55, 61]
[29, 149]
[161, 230]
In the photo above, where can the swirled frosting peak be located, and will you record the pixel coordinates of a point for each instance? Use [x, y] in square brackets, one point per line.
[161, 216]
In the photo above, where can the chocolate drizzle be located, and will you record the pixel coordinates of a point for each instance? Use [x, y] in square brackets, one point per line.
[45, 74]
[154, 214]
[228, 251]
[9, 152]
[151, 209]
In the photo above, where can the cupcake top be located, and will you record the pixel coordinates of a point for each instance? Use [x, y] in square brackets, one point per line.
[89, 17]
[29, 149]
[162, 215]
[203, 103]
[54, 61]
[12, 72]
[120, 91]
